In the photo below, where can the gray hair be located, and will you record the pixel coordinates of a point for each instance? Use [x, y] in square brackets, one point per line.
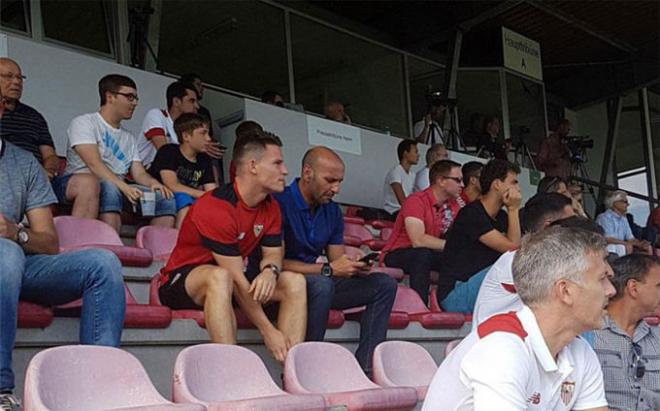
[550, 255]
[615, 196]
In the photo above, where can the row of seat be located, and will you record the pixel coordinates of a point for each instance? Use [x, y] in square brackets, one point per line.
[316, 375]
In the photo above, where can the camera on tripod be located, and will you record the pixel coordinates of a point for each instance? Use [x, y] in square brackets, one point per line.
[578, 146]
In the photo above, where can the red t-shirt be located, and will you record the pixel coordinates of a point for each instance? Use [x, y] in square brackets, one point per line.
[654, 218]
[220, 222]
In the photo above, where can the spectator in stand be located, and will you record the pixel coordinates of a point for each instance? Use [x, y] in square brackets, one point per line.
[554, 157]
[184, 168]
[22, 125]
[497, 294]
[627, 347]
[435, 153]
[313, 226]
[400, 180]
[221, 229]
[481, 233]
[490, 142]
[415, 246]
[158, 124]
[619, 236]
[471, 175]
[272, 97]
[334, 110]
[532, 358]
[102, 152]
[245, 129]
[558, 185]
[32, 269]
[428, 130]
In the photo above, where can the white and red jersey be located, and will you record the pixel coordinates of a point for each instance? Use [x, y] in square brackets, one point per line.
[505, 365]
[497, 294]
[157, 122]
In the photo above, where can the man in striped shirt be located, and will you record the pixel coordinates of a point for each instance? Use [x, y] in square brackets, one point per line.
[21, 124]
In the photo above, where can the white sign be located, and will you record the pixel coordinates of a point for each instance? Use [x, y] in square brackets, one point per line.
[521, 54]
[334, 135]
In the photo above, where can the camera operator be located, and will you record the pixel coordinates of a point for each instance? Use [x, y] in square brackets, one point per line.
[554, 157]
[427, 130]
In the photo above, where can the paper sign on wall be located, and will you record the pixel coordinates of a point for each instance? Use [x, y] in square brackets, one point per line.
[521, 54]
[334, 135]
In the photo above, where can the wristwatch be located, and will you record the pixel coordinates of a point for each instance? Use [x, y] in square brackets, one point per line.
[275, 269]
[22, 236]
[326, 270]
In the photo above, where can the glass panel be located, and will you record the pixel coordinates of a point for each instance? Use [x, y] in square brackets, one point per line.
[526, 111]
[478, 93]
[333, 66]
[424, 78]
[81, 23]
[629, 153]
[233, 44]
[14, 14]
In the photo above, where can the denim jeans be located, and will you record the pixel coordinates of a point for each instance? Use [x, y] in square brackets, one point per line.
[418, 263]
[376, 291]
[464, 295]
[94, 275]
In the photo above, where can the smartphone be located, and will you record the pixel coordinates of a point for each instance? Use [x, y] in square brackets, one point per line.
[369, 259]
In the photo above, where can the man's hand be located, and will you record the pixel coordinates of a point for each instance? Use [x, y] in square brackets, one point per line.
[512, 198]
[629, 247]
[215, 149]
[51, 166]
[131, 192]
[263, 286]
[428, 120]
[346, 266]
[277, 344]
[8, 229]
[166, 192]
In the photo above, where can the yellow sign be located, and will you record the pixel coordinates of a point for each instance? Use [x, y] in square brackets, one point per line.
[521, 54]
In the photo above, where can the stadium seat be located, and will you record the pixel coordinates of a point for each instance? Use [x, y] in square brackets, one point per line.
[353, 220]
[386, 233]
[380, 224]
[451, 345]
[232, 378]
[159, 240]
[403, 364]
[365, 236]
[332, 371]
[82, 233]
[407, 301]
[32, 315]
[395, 273]
[88, 378]
[352, 211]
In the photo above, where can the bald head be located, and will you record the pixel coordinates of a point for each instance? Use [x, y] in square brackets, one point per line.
[335, 111]
[321, 175]
[11, 80]
[320, 154]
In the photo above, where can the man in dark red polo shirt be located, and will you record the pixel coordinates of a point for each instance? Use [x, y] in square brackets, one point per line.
[415, 246]
[223, 227]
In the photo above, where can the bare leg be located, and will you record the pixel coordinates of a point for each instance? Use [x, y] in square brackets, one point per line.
[180, 215]
[291, 292]
[84, 190]
[113, 219]
[166, 221]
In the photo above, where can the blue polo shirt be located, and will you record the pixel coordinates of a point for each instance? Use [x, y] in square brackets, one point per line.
[307, 234]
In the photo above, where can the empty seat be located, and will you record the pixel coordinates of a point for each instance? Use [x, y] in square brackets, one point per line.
[81, 233]
[403, 364]
[31, 315]
[395, 273]
[380, 224]
[159, 240]
[232, 378]
[408, 301]
[365, 236]
[353, 220]
[332, 371]
[89, 378]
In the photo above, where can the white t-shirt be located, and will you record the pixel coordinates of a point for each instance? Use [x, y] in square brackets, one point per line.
[421, 180]
[116, 145]
[436, 134]
[505, 365]
[407, 181]
[497, 294]
[157, 122]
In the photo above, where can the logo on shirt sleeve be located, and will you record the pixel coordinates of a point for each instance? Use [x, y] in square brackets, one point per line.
[535, 399]
[257, 229]
[567, 389]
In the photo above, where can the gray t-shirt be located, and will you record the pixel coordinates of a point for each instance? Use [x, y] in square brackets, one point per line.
[23, 183]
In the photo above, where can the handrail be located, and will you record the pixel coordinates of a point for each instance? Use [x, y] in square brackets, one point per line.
[608, 187]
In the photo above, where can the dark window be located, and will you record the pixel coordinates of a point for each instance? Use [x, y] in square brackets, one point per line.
[14, 14]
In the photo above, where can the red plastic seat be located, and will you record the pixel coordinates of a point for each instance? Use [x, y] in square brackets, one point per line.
[397, 320]
[353, 220]
[352, 240]
[386, 233]
[365, 236]
[652, 320]
[403, 364]
[159, 240]
[31, 315]
[407, 301]
[351, 211]
[380, 224]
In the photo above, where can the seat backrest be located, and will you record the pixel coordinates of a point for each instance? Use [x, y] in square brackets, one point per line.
[159, 240]
[358, 231]
[408, 301]
[353, 251]
[220, 372]
[154, 284]
[73, 231]
[402, 364]
[451, 345]
[386, 233]
[321, 367]
[86, 377]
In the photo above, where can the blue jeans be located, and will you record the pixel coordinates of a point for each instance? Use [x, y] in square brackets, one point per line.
[94, 275]
[376, 291]
[464, 295]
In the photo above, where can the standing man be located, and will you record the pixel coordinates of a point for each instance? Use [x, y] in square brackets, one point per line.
[222, 228]
[313, 226]
[435, 153]
[427, 130]
[533, 358]
[554, 157]
[628, 349]
[400, 180]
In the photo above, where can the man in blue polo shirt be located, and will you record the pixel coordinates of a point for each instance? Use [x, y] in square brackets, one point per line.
[313, 226]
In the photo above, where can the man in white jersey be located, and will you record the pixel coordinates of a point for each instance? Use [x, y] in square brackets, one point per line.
[532, 359]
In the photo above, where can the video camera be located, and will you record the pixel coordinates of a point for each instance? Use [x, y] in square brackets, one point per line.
[578, 146]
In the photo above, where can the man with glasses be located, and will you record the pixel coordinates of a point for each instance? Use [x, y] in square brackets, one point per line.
[100, 153]
[620, 238]
[627, 347]
[21, 124]
[415, 246]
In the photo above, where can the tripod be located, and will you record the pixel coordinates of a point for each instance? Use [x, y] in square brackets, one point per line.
[453, 139]
[579, 169]
[523, 156]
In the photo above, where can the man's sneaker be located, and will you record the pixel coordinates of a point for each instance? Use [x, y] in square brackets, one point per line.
[9, 403]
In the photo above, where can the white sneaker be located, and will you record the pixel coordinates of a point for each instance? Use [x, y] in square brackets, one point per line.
[9, 403]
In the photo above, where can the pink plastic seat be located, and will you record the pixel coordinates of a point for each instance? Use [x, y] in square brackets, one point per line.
[332, 371]
[365, 236]
[403, 364]
[395, 273]
[231, 378]
[353, 220]
[386, 233]
[82, 233]
[88, 378]
[159, 240]
[31, 315]
[451, 345]
[380, 224]
[407, 301]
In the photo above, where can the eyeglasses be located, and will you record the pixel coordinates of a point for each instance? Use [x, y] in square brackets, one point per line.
[129, 96]
[457, 179]
[9, 76]
[639, 363]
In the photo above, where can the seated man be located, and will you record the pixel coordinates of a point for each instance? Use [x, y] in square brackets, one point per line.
[497, 293]
[313, 225]
[481, 232]
[532, 358]
[628, 349]
[334, 110]
[222, 228]
[245, 129]
[400, 180]
[471, 174]
[435, 153]
[30, 266]
[619, 236]
[99, 149]
[415, 246]
[185, 168]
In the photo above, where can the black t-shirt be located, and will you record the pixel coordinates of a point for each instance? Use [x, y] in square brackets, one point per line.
[195, 175]
[464, 254]
[25, 128]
